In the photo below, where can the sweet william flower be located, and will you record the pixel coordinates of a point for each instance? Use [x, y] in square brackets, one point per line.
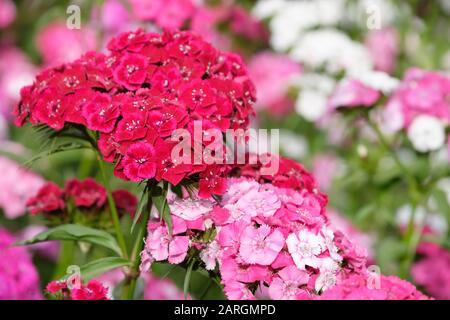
[131, 71]
[125, 200]
[287, 286]
[94, 290]
[426, 133]
[101, 113]
[49, 198]
[260, 246]
[139, 162]
[305, 247]
[19, 279]
[86, 193]
[161, 247]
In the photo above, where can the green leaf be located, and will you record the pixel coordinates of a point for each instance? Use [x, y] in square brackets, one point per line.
[100, 266]
[140, 209]
[187, 279]
[164, 212]
[54, 150]
[76, 232]
[441, 201]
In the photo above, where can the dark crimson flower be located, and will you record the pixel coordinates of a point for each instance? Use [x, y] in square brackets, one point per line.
[139, 162]
[101, 113]
[86, 193]
[131, 71]
[49, 198]
[126, 201]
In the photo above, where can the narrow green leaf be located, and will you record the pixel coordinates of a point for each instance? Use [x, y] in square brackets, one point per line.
[100, 266]
[140, 209]
[164, 212]
[187, 279]
[76, 232]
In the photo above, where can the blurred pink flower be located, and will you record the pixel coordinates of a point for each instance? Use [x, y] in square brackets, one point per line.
[17, 185]
[161, 289]
[114, 16]
[7, 13]
[48, 249]
[16, 71]
[431, 271]
[353, 93]
[356, 287]
[244, 24]
[19, 279]
[271, 74]
[58, 44]
[204, 18]
[170, 14]
[324, 169]
[383, 46]
[364, 241]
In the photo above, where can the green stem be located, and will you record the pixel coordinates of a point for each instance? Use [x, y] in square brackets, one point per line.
[113, 208]
[130, 283]
[65, 258]
[412, 235]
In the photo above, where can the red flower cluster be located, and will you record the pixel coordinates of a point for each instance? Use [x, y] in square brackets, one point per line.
[84, 194]
[135, 97]
[290, 175]
[93, 290]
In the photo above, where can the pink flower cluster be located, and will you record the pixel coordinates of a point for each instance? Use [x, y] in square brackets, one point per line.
[265, 236]
[19, 279]
[339, 223]
[7, 13]
[367, 287]
[383, 46]
[200, 17]
[17, 184]
[421, 93]
[93, 290]
[431, 270]
[271, 74]
[351, 93]
[87, 194]
[148, 86]
[16, 71]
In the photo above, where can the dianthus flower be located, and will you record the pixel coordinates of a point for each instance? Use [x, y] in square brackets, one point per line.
[147, 88]
[93, 290]
[19, 279]
[421, 107]
[431, 270]
[85, 198]
[257, 234]
[17, 185]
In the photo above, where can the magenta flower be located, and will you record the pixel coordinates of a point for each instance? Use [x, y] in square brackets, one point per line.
[101, 113]
[131, 71]
[139, 162]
